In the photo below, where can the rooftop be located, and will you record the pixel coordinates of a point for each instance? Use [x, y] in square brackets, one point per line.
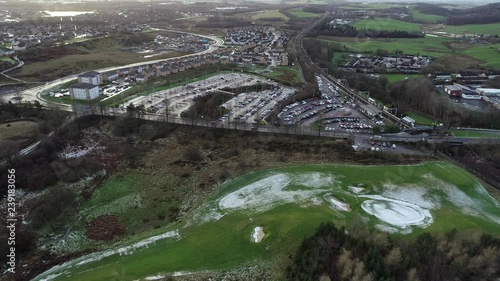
[84, 86]
[89, 74]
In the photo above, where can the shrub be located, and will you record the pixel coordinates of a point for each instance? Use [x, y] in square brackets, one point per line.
[193, 154]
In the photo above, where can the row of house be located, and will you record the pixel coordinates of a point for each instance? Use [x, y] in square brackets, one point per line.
[376, 64]
[257, 45]
[87, 87]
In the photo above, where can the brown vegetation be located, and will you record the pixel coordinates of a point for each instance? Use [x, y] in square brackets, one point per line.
[105, 227]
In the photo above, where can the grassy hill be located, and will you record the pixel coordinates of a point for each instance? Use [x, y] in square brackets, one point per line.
[430, 46]
[387, 24]
[426, 18]
[289, 203]
[492, 29]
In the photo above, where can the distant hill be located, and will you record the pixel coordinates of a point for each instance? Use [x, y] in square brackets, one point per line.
[489, 13]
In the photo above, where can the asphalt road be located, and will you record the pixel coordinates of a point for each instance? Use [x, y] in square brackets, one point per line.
[33, 94]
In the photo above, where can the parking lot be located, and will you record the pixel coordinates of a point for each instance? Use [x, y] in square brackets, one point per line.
[245, 105]
[115, 88]
[333, 111]
[254, 107]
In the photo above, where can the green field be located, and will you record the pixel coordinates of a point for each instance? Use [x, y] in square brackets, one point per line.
[299, 14]
[270, 14]
[419, 119]
[492, 28]
[398, 77]
[490, 54]
[372, 6]
[429, 46]
[17, 129]
[289, 203]
[387, 24]
[290, 74]
[475, 134]
[426, 18]
[7, 59]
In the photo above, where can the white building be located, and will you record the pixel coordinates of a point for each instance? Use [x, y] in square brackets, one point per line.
[84, 91]
[91, 77]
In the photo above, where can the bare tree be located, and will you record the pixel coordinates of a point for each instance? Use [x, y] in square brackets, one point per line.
[167, 107]
[18, 96]
[8, 151]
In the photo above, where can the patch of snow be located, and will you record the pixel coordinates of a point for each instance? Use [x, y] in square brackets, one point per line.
[268, 192]
[356, 190]
[101, 255]
[386, 228]
[77, 151]
[413, 194]
[337, 204]
[314, 180]
[155, 277]
[257, 234]
[159, 277]
[467, 204]
[395, 212]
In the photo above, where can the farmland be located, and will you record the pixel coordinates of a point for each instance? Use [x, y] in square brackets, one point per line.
[270, 14]
[387, 24]
[291, 202]
[300, 14]
[492, 29]
[430, 46]
[426, 18]
[489, 54]
[372, 6]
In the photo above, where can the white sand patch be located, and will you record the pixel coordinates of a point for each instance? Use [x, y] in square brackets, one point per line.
[47, 275]
[413, 194]
[337, 204]
[396, 213]
[356, 190]
[258, 234]
[266, 193]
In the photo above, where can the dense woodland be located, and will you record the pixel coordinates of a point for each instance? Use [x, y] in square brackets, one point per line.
[354, 254]
[351, 31]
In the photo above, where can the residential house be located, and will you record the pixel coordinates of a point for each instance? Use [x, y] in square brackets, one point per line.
[84, 91]
[110, 76]
[91, 77]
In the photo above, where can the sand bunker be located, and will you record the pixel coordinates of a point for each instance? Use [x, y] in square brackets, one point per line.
[258, 234]
[397, 213]
[337, 204]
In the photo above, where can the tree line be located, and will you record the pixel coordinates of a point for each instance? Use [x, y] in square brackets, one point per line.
[351, 31]
[334, 253]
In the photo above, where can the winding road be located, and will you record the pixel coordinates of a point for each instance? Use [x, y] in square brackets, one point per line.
[33, 94]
